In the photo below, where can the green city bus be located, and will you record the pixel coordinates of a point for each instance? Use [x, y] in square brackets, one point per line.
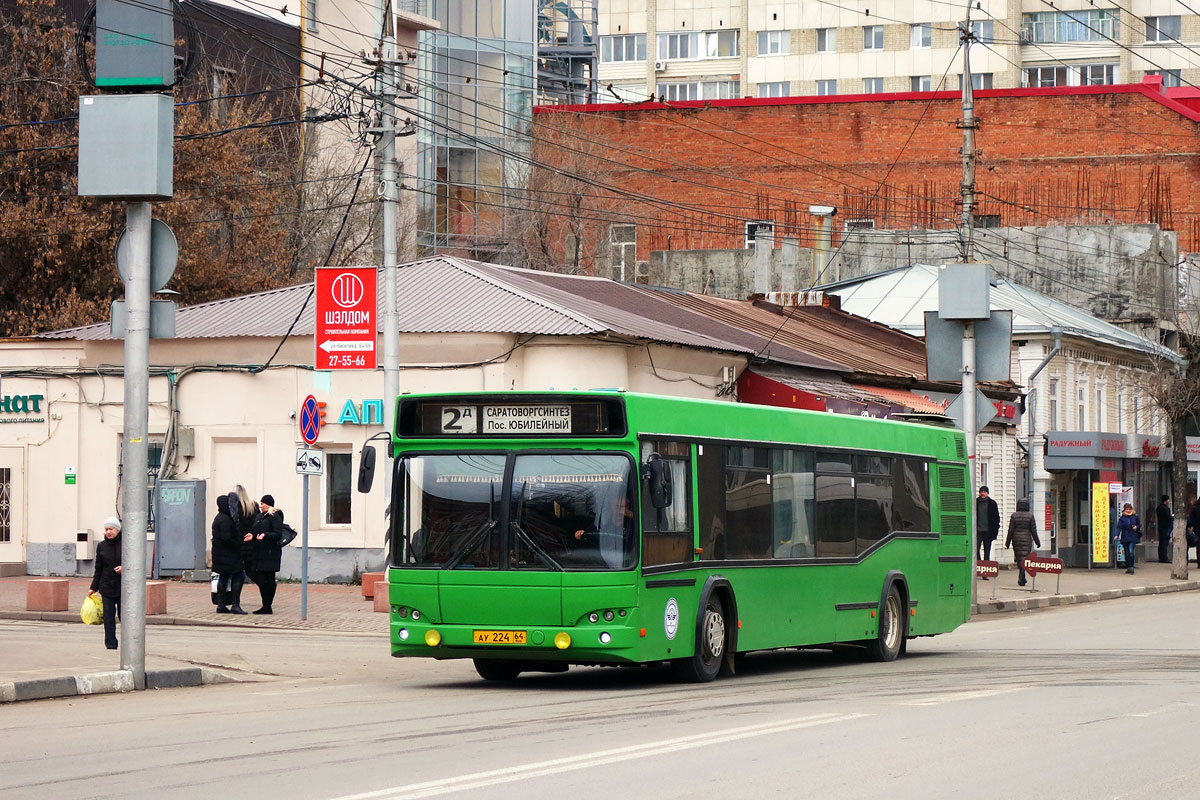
[533, 531]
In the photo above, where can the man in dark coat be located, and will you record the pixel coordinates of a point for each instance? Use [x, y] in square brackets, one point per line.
[1022, 536]
[227, 560]
[1193, 523]
[107, 579]
[987, 523]
[1166, 524]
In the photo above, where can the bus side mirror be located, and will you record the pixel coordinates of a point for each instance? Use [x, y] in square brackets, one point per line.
[366, 469]
[657, 476]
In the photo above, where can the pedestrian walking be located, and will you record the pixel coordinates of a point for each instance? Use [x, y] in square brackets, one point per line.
[1166, 524]
[1022, 536]
[227, 559]
[1129, 533]
[987, 523]
[268, 550]
[107, 579]
[1193, 530]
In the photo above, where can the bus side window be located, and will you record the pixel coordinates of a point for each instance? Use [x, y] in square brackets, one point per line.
[667, 531]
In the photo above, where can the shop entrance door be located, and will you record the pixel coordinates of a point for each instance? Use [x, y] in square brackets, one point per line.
[12, 507]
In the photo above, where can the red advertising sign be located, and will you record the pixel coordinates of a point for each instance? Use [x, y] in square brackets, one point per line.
[346, 318]
[987, 569]
[1035, 564]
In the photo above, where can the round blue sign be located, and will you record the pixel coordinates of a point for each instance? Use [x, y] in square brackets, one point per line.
[310, 420]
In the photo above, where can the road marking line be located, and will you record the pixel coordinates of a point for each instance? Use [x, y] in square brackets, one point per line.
[957, 697]
[556, 766]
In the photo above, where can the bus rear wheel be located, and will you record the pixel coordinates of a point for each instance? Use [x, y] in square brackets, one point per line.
[888, 643]
[705, 663]
[491, 670]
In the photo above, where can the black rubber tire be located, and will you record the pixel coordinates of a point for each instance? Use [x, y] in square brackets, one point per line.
[704, 665]
[489, 670]
[889, 642]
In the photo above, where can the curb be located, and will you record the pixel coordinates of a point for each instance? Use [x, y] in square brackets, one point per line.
[120, 680]
[1054, 601]
[155, 619]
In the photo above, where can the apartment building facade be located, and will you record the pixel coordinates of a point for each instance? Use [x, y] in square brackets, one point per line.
[679, 50]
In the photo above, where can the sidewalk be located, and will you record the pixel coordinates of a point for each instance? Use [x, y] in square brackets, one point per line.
[39, 672]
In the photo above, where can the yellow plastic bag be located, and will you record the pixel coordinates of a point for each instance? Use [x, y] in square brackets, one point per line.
[92, 610]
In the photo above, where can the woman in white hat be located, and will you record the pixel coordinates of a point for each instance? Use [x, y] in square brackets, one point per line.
[107, 579]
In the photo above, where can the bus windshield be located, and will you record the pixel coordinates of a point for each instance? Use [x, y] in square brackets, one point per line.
[557, 512]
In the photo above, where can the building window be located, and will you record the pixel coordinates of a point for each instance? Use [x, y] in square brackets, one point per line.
[984, 31]
[679, 91]
[774, 89]
[1122, 401]
[920, 35]
[984, 476]
[1090, 25]
[865, 224]
[1096, 74]
[1037, 77]
[1082, 398]
[699, 45]
[979, 80]
[774, 43]
[826, 40]
[754, 227]
[872, 37]
[630, 93]
[826, 88]
[1171, 77]
[622, 242]
[720, 90]
[1053, 392]
[337, 488]
[987, 220]
[921, 83]
[872, 85]
[615, 49]
[1101, 407]
[1162, 29]
[310, 15]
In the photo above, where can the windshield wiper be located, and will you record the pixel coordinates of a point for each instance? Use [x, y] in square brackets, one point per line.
[475, 538]
[537, 548]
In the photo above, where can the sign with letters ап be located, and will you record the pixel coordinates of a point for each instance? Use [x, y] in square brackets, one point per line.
[346, 318]
[987, 569]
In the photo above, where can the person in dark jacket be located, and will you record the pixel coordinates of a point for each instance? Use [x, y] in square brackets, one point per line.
[244, 511]
[987, 523]
[1022, 536]
[107, 579]
[1166, 524]
[268, 550]
[227, 560]
[1193, 527]
[1129, 533]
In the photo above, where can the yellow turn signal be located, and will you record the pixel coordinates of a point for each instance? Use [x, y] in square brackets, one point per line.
[562, 640]
[433, 638]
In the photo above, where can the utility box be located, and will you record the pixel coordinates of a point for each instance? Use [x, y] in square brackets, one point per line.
[126, 146]
[85, 548]
[135, 44]
[179, 528]
[964, 292]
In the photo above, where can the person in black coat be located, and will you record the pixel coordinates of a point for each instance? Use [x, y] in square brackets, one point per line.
[1166, 524]
[107, 579]
[227, 560]
[268, 550]
[1022, 537]
[987, 523]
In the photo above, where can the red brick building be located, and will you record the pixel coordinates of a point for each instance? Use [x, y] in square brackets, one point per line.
[689, 175]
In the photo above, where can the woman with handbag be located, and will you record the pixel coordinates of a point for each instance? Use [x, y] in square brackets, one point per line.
[268, 550]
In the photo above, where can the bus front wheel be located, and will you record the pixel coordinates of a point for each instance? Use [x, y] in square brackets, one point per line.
[888, 643]
[491, 670]
[712, 637]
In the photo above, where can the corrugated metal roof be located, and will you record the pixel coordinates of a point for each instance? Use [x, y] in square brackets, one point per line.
[910, 400]
[900, 297]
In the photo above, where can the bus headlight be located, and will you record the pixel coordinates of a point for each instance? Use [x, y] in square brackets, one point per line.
[402, 634]
[605, 637]
[562, 640]
[416, 614]
[608, 616]
[593, 617]
[433, 638]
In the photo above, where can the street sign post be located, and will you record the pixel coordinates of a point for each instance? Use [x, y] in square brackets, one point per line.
[308, 462]
[347, 315]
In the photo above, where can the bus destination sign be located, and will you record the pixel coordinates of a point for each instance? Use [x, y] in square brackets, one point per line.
[518, 419]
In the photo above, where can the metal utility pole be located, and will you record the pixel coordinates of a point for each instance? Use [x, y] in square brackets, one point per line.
[389, 194]
[133, 445]
[968, 125]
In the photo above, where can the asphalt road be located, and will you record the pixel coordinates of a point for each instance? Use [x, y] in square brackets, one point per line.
[1093, 701]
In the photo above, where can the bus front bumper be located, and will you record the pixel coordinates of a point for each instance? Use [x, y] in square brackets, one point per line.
[591, 643]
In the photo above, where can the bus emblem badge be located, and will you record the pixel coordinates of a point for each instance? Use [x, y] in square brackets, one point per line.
[671, 618]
